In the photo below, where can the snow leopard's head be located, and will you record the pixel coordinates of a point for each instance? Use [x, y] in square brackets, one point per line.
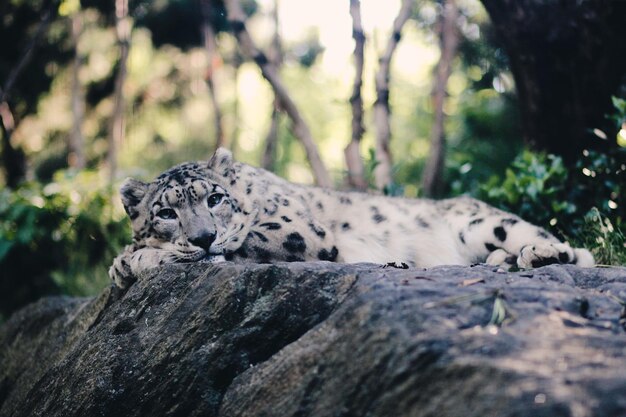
[190, 209]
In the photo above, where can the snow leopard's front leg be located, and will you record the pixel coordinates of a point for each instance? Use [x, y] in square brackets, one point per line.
[504, 239]
[517, 242]
[130, 263]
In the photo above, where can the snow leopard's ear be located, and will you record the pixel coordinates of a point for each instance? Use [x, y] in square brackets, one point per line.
[132, 192]
[221, 162]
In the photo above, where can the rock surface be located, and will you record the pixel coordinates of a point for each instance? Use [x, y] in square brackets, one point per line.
[322, 339]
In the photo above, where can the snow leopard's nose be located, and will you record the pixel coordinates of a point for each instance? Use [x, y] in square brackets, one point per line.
[204, 240]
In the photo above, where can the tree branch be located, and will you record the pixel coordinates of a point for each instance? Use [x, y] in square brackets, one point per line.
[382, 172]
[301, 130]
[354, 162]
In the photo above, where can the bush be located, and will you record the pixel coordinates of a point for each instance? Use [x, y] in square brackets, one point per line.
[58, 238]
[583, 205]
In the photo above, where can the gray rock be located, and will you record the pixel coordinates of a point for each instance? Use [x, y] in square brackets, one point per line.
[323, 339]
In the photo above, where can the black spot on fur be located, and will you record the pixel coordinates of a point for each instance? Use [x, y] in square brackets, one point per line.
[318, 231]
[294, 243]
[260, 236]
[345, 226]
[490, 247]
[325, 255]
[462, 237]
[511, 260]
[509, 221]
[476, 221]
[378, 218]
[421, 222]
[285, 202]
[271, 209]
[563, 257]
[543, 234]
[536, 263]
[320, 205]
[500, 233]
[345, 200]
[271, 226]
[286, 219]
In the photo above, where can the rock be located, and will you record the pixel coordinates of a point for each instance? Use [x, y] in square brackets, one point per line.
[323, 339]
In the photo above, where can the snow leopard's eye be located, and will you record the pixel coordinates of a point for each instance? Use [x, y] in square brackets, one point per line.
[214, 199]
[166, 214]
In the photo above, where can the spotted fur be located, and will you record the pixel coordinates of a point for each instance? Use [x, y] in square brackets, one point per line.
[225, 210]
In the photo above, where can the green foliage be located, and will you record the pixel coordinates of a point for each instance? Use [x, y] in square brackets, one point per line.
[532, 188]
[61, 237]
[583, 205]
[605, 240]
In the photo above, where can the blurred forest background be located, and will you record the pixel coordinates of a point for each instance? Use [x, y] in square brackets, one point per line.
[518, 102]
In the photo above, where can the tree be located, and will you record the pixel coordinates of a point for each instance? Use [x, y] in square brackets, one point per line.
[567, 59]
[236, 17]
[28, 88]
[432, 177]
[354, 162]
[268, 159]
[123, 28]
[382, 172]
[210, 44]
[76, 144]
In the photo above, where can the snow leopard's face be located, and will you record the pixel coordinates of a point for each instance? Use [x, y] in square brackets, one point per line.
[186, 210]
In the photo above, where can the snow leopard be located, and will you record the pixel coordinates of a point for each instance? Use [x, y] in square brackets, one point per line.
[222, 210]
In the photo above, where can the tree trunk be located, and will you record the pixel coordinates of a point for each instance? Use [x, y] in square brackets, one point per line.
[236, 18]
[237, 60]
[117, 128]
[382, 172]
[567, 58]
[432, 177]
[14, 158]
[276, 58]
[271, 140]
[354, 162]
[76, 157]
[210, 44]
